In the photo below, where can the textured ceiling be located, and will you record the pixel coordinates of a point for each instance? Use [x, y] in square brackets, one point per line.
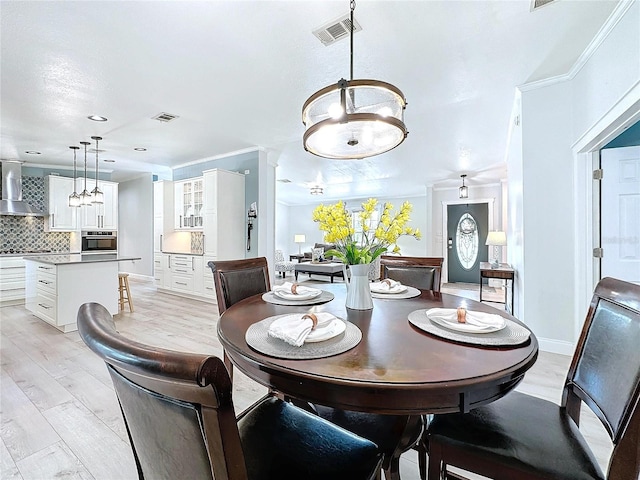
[237, 73]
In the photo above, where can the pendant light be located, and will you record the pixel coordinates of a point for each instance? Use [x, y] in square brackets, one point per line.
[354, 119]
[464, 191]
[74, 198]
[85, 196]
[96, 194]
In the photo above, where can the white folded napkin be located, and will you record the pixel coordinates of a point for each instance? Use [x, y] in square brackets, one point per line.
[300, 289]
[477, 320]
[387, 286]
[294, 329]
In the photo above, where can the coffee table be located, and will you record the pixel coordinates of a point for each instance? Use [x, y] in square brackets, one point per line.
[328, 269]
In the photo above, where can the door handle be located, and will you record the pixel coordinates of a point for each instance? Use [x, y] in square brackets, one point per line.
[450, 243]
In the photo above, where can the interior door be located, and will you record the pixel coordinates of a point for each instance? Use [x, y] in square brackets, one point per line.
[620, 213]
[467, 228]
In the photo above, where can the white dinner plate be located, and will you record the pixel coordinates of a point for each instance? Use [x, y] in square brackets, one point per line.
[376, 288]
[467, 327]
[308, 295]
[335, 328]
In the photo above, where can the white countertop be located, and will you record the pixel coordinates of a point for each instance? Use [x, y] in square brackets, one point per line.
[74, 258]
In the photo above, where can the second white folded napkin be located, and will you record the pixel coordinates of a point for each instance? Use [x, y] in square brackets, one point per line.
[301, 290]
[476, 320]
[387, 286]
[294, 329]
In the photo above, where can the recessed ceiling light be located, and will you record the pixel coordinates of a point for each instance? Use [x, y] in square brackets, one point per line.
[32, 152]
[140, 149]
[97, 118]
[108, 160]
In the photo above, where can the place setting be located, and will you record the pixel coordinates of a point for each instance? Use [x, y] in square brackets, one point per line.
[303, 336]
[471, 327]
[290, 293]
[389, 288]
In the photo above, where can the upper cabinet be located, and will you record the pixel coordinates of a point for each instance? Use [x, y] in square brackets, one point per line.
[103, 216]
[188, 204]
[61, 217]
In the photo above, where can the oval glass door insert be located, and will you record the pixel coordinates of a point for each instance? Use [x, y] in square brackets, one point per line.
[467, 241]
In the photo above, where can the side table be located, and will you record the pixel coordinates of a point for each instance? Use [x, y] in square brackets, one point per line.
[504, 272]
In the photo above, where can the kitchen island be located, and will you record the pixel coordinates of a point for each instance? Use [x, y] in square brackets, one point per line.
[57, 285]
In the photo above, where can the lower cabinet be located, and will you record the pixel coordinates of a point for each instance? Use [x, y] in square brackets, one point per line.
[182, 274]
[12, 278]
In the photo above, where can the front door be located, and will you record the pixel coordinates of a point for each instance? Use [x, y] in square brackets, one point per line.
[467, 228]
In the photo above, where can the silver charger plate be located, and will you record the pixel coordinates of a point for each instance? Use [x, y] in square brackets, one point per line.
[324, 297]
[257, 337]
[512, 334]
[410, 292]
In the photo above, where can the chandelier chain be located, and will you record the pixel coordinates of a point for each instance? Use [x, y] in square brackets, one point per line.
[353, 7]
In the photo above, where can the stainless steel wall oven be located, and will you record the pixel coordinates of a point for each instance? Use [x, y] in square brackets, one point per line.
[99, 242]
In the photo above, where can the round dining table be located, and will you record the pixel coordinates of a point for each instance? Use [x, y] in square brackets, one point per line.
[396, 368]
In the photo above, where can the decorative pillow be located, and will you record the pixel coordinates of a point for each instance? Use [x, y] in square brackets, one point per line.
[317, 255]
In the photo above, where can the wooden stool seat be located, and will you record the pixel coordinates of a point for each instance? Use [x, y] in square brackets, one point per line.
[125, 293]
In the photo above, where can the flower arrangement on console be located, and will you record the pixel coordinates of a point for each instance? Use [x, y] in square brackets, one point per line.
[337, 223]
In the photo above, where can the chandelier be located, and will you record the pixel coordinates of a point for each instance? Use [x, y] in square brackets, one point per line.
[463, 190]
[96, 194]
[85, 196]
[354, 119]
[316, 191]
[74, 198]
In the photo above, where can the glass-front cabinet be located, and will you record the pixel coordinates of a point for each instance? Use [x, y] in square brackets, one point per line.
[188, 204]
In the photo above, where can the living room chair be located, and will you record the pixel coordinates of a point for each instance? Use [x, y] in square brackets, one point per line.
[181, 423]
[281, 265]
[524, 437]
[423, 273]
[236, 280]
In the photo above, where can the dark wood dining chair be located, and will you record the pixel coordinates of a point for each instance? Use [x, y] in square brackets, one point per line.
[424, 273]
[524, 437]
[179, 416]
[236, 280]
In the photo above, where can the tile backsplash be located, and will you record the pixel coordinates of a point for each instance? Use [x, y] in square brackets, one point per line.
[27, 233]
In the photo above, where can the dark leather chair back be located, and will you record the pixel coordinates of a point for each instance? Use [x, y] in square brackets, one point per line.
[236, 280]
[419, 272]
[179, 415]
[605, 371]
[177, 406]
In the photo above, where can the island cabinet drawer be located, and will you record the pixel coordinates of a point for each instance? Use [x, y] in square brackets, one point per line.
[46, 307]
[182, 282]
[46, 282]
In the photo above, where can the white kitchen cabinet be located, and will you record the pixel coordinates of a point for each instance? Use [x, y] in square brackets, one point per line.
[188, 195]
[102, 216]
[207, 277]
[224, 214]
[182, 274]
[61, 217]
[12, 281]
[163, 211]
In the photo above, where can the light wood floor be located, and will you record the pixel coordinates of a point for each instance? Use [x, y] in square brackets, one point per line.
[59, 415]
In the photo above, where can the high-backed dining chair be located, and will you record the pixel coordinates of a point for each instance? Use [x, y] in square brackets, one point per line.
[236, 280]
[524, 437]
[179, 415]
[419, 272]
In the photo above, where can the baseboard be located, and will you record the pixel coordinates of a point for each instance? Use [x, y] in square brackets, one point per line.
[556, 346]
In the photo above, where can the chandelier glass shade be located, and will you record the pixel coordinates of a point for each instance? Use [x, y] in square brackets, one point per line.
[354, 119]
[96, 194]
[463, 190]
[85, 196]
[74, 198]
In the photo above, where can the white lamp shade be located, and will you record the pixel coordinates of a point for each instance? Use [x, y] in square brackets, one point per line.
[496, 238]
[298, 239]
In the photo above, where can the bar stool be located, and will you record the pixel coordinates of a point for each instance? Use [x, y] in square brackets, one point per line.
[123, 286]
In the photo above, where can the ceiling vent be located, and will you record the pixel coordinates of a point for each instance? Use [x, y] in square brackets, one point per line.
[165, 117]
[535, 4]
[337, 29]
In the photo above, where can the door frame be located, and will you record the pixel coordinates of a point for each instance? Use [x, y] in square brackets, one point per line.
[445, 246]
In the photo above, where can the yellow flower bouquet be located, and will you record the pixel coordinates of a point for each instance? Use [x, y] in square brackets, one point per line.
[337, 223]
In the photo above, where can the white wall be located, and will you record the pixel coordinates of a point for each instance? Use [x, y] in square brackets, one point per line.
[135, 223]
[549, 209]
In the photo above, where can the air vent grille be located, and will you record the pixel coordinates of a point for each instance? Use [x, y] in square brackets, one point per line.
[284, 180]
[165, 117]
[535, 4]
[337, 29]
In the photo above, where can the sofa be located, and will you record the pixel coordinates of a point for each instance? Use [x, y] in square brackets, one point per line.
[325, 246]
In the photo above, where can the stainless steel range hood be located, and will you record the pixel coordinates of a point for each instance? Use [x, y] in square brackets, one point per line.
[12, 203]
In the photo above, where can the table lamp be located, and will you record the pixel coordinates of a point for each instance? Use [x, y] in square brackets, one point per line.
[299, 239]
[497, 239]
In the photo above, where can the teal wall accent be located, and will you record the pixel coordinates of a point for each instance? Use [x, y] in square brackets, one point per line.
[629, 138]
[43, 172]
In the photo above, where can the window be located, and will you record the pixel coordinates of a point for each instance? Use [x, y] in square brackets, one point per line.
[467, 241]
